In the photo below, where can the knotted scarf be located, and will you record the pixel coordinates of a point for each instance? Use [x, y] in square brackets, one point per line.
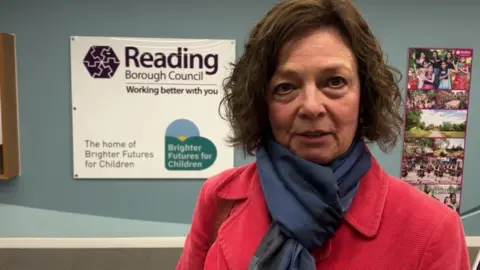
[307, 203]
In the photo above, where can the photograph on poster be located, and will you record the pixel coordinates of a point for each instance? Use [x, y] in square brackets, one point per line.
[418, 147]
[445, 69]
[436, 123]
[420, 99]
[436, 112]
[448, 194]
[450, 99]
[432, 170]
[448, 147]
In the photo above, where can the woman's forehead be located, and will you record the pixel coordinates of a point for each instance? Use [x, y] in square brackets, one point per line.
[323, 49]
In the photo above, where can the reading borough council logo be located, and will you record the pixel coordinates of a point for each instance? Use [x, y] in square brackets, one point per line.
[101, 62]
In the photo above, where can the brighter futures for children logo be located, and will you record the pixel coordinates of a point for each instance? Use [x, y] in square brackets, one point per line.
[101, 62]
[185, 149]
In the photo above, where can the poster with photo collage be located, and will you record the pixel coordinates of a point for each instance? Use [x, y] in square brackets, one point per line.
[436, 110]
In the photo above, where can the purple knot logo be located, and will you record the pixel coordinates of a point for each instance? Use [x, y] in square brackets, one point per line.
[101, 62]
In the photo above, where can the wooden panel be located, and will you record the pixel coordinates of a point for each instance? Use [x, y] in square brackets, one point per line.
[9, 108]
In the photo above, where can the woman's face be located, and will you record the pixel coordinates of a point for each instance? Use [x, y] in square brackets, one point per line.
[435, 55]
[314, 95]
[444, 65]
[422, 55]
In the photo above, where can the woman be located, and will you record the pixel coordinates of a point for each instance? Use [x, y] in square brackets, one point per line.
[462, 76]
[447, 201]
[421, 75]
[412, 80]
[452, 68]
[422, 59]
[311, 88]
[444, 77]
[436, 63]
[454, 202]
[429, 79]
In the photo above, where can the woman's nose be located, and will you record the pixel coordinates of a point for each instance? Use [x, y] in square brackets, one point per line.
[313, 102]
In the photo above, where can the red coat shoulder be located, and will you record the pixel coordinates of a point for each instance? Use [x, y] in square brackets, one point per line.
[231, 184]
[413, 204]
[436, 228]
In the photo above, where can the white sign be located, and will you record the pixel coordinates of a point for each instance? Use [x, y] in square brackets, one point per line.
[148, 108]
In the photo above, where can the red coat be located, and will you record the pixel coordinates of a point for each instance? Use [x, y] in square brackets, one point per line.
[390, 225]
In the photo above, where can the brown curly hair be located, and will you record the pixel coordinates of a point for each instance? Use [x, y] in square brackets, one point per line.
[245, 89]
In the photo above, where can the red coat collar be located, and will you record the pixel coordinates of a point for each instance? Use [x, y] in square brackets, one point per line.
[364, 215]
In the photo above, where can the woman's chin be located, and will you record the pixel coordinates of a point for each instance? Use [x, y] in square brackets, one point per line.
[319, 156]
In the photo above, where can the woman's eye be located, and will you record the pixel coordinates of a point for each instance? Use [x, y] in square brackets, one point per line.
[284, 88]
[336, 82]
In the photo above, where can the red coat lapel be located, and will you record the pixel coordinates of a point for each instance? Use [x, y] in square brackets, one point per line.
[241, 234]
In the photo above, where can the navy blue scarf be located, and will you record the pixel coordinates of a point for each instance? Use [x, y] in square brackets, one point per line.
[307, 203]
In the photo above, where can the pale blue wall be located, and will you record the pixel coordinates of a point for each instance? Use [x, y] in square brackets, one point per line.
[46, 201]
